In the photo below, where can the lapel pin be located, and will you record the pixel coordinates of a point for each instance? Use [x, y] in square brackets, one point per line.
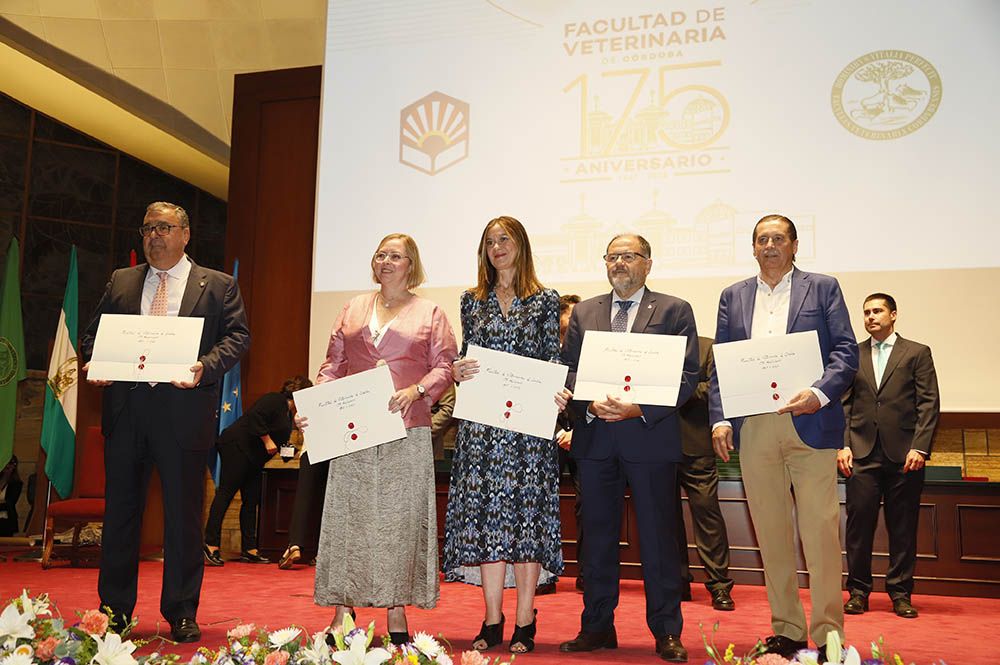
[201, 284]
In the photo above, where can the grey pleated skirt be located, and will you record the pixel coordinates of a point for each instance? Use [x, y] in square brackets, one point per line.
[378, 538]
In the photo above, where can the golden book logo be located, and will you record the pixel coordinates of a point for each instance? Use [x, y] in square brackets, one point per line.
[886, 94]
[434, 133]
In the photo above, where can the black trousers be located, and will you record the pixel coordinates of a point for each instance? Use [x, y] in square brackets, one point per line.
[310, 490]
[138, 443]
[239, 474]
[652, 483]
[699, 477]
[876, 479]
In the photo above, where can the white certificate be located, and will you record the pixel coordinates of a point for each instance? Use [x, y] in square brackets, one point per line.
[158, 349]
[511, 392]
[641, 368]
[761, 375]
[349, 414]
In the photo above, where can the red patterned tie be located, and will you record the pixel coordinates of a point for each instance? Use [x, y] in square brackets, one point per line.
[159, 306]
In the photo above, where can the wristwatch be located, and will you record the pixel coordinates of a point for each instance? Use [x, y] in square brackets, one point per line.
[421, 390]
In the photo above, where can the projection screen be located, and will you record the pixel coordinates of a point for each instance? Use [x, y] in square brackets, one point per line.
[872, 125]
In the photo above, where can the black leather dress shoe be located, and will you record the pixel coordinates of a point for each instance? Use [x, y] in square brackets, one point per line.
[722, 601]
[686, 592]
[213, 558]
[785, 647]
[185, 630]
[579, 583]
[247, 557]
[903, 608]
[856, 604]
[670, 649]
[591, 641]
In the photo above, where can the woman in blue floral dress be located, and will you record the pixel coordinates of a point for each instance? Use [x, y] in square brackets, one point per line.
[503, 503]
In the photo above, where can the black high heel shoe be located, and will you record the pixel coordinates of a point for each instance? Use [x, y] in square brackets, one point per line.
[331, 641]
[399, 638]
[491, 633]
[525, 636]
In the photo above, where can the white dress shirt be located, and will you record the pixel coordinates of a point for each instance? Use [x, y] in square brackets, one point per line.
[177, 278]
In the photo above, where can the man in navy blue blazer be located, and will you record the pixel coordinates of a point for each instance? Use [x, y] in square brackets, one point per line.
[788, 459]
[617, 443]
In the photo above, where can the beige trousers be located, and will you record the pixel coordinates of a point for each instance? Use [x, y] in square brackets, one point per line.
[774, 460]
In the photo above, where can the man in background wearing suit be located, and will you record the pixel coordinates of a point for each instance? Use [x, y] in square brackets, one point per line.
[891, 411]
[794, 449]
[699, 476]
[169, 426]
[617, 442]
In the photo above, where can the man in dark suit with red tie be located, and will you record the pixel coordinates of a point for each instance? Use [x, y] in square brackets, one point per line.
[169, 426]
[617, 443]
[891, 410]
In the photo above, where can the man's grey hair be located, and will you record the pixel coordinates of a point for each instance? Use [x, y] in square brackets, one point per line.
[164, 206]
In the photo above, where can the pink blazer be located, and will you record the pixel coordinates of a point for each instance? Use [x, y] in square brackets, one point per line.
[419, 347]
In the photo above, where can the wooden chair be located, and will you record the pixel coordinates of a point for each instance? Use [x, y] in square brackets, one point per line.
[87, 504]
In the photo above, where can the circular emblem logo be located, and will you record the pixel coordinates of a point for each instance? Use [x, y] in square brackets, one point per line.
[886, 94]
[8, 361]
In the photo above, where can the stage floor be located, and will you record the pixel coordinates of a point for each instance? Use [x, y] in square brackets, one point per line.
[956, 630]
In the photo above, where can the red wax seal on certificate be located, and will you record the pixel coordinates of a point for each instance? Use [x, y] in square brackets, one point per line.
[141, 366]
[628, 388]
[774, 385]
[509, 404]
[142, 358]
[774, 396]
[350, 425]
[354, 437]
[506, 414]
[627, 378]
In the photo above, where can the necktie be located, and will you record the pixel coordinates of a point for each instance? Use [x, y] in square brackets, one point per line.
[620, 322]
[881, 356]
[159, 306]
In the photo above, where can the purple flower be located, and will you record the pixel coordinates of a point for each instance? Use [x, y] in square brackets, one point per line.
[66, 660]
[872, 661]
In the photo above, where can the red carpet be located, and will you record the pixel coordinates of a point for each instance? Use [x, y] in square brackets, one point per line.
[264, 595]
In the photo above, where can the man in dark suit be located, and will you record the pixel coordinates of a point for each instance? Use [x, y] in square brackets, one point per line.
[699, 476]
[616, 442]
[169, 426]
[891, 411]
[794, 449]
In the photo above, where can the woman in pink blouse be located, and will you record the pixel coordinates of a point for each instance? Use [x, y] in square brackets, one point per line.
[378, 538]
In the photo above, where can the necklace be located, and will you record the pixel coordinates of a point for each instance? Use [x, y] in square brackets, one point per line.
[395, 302]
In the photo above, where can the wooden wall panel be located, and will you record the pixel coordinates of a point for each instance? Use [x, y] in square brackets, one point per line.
[272, 191]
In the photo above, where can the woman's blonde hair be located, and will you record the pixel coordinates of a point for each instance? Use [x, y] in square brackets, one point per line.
[416, 275]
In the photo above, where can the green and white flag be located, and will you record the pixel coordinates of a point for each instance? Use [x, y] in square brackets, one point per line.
[59, 421]
[12, 366]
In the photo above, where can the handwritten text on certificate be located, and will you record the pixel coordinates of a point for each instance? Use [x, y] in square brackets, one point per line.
[158, 349]
[511, 392]
[641, 368]
[761, 375]
[349, 414]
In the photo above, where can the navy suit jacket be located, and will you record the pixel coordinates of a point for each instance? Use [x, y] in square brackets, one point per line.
[210, 294]
[655, 437]
[816, 304]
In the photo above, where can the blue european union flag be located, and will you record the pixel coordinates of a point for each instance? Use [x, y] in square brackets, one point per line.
[230, 404]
